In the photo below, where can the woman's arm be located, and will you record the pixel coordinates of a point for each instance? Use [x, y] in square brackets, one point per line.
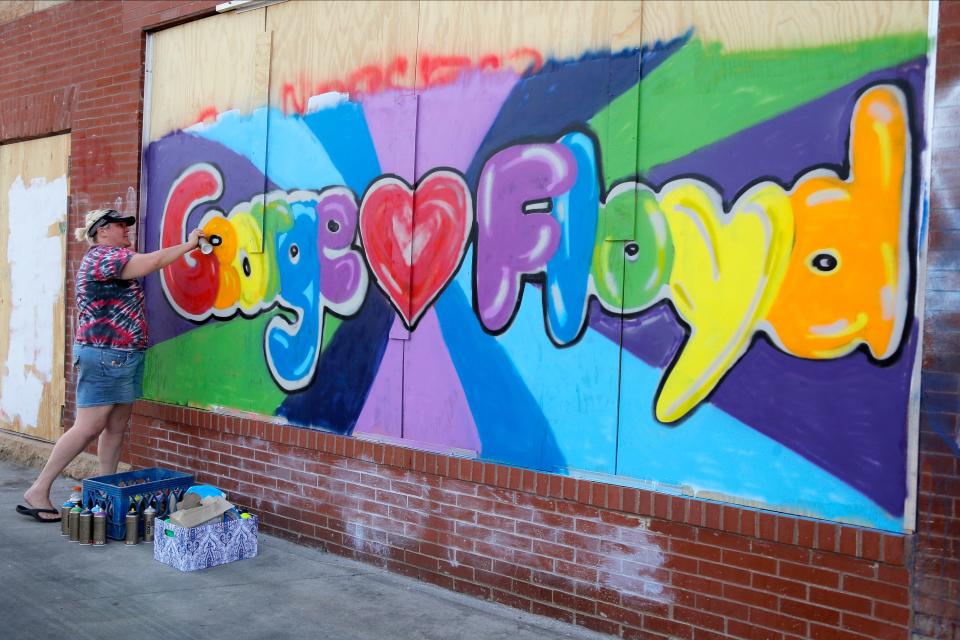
[142, 264]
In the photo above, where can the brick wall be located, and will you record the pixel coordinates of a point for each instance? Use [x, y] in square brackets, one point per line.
[620, 560]
[629, 562]
[936, 570]
[97, 97]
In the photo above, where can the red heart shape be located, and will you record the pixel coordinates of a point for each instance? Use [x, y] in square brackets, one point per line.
[414, 239]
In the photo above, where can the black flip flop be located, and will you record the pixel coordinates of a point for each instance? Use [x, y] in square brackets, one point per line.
[35, 513]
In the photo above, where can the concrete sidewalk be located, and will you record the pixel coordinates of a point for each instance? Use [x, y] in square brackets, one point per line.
[52, 588]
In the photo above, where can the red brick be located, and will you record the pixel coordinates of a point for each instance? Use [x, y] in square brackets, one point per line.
[728, 572]
[737, 629]
[767, 526]
[671, 628]
[750, 561]
[827, 536]
[874, 589]
[576, 603]
[820, 632]
[597, 624]
[620, 614]
[711, 515]
[810, 612]
[804, 573]
[724, 539]
[697, 584]
[556, 613]
[750, 597]
[698, 618]
[870, 544]
[845, 564]
[687, 548]
[893, 575]
[848, 541]
[872, 628]
[779, 586]
[771, 620]
[891, 613]
[703, 634]
[841, 601]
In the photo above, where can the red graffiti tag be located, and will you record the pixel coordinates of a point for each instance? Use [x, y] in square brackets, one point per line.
[431, 71]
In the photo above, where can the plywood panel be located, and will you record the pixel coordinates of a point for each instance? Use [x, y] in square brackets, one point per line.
[741, 24]
[508, 31]
[33, 213]
[13, 9]
[343, 46]
[205, 67]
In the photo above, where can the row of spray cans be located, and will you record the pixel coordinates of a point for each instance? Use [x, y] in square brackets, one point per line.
[89, 526]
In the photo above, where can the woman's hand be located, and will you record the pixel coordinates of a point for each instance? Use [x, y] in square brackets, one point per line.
[194, 238]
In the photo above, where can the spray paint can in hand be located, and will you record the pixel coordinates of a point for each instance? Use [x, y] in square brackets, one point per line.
[75, 524]
[149, 516]
[206, 245]
[132, 536]
[65, 518]
[99, 528]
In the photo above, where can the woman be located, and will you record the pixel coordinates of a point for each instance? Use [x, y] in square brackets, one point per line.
[109, 348]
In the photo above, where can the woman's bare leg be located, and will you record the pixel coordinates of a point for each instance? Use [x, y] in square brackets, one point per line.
[111, 439]
[88, 425]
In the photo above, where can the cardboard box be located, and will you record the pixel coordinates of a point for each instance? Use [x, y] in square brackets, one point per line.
[206, 545]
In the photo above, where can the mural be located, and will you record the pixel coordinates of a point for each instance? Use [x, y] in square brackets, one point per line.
[668, 264]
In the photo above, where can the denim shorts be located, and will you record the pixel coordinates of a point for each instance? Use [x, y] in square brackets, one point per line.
[107, 376]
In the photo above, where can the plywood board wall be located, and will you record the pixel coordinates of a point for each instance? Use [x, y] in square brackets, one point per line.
[213, 64]
[744, 24]
[33, 213]
[631, 102]
[362, 46]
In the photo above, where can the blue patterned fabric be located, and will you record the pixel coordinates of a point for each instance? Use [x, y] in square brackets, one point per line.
[207, 545]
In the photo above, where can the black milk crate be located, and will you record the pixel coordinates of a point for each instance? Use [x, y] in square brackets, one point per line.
[142, 488]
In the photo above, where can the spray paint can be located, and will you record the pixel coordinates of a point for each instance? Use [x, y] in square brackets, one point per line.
[86, 527]
[75, 524]
[65, 518]
[149, 516]
[99, 528]
[132, 536]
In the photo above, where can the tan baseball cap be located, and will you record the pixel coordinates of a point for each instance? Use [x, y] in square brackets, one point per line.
[101, 218]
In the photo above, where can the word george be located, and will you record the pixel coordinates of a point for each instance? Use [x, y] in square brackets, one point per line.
[820, 268]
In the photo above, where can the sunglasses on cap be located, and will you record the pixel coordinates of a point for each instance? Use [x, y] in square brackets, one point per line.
[109, 217]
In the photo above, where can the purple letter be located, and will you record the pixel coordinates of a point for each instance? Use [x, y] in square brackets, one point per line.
[516, 233]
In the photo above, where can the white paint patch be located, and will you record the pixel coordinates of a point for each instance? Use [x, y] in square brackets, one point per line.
[633, 565]
[327, 100]
[629, 559]
[36, 275]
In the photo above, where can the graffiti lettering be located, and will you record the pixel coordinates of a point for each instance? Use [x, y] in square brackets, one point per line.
[729, 274]
[431, 71]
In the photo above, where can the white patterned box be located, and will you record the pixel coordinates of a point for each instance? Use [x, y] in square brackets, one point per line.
[205, 546]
